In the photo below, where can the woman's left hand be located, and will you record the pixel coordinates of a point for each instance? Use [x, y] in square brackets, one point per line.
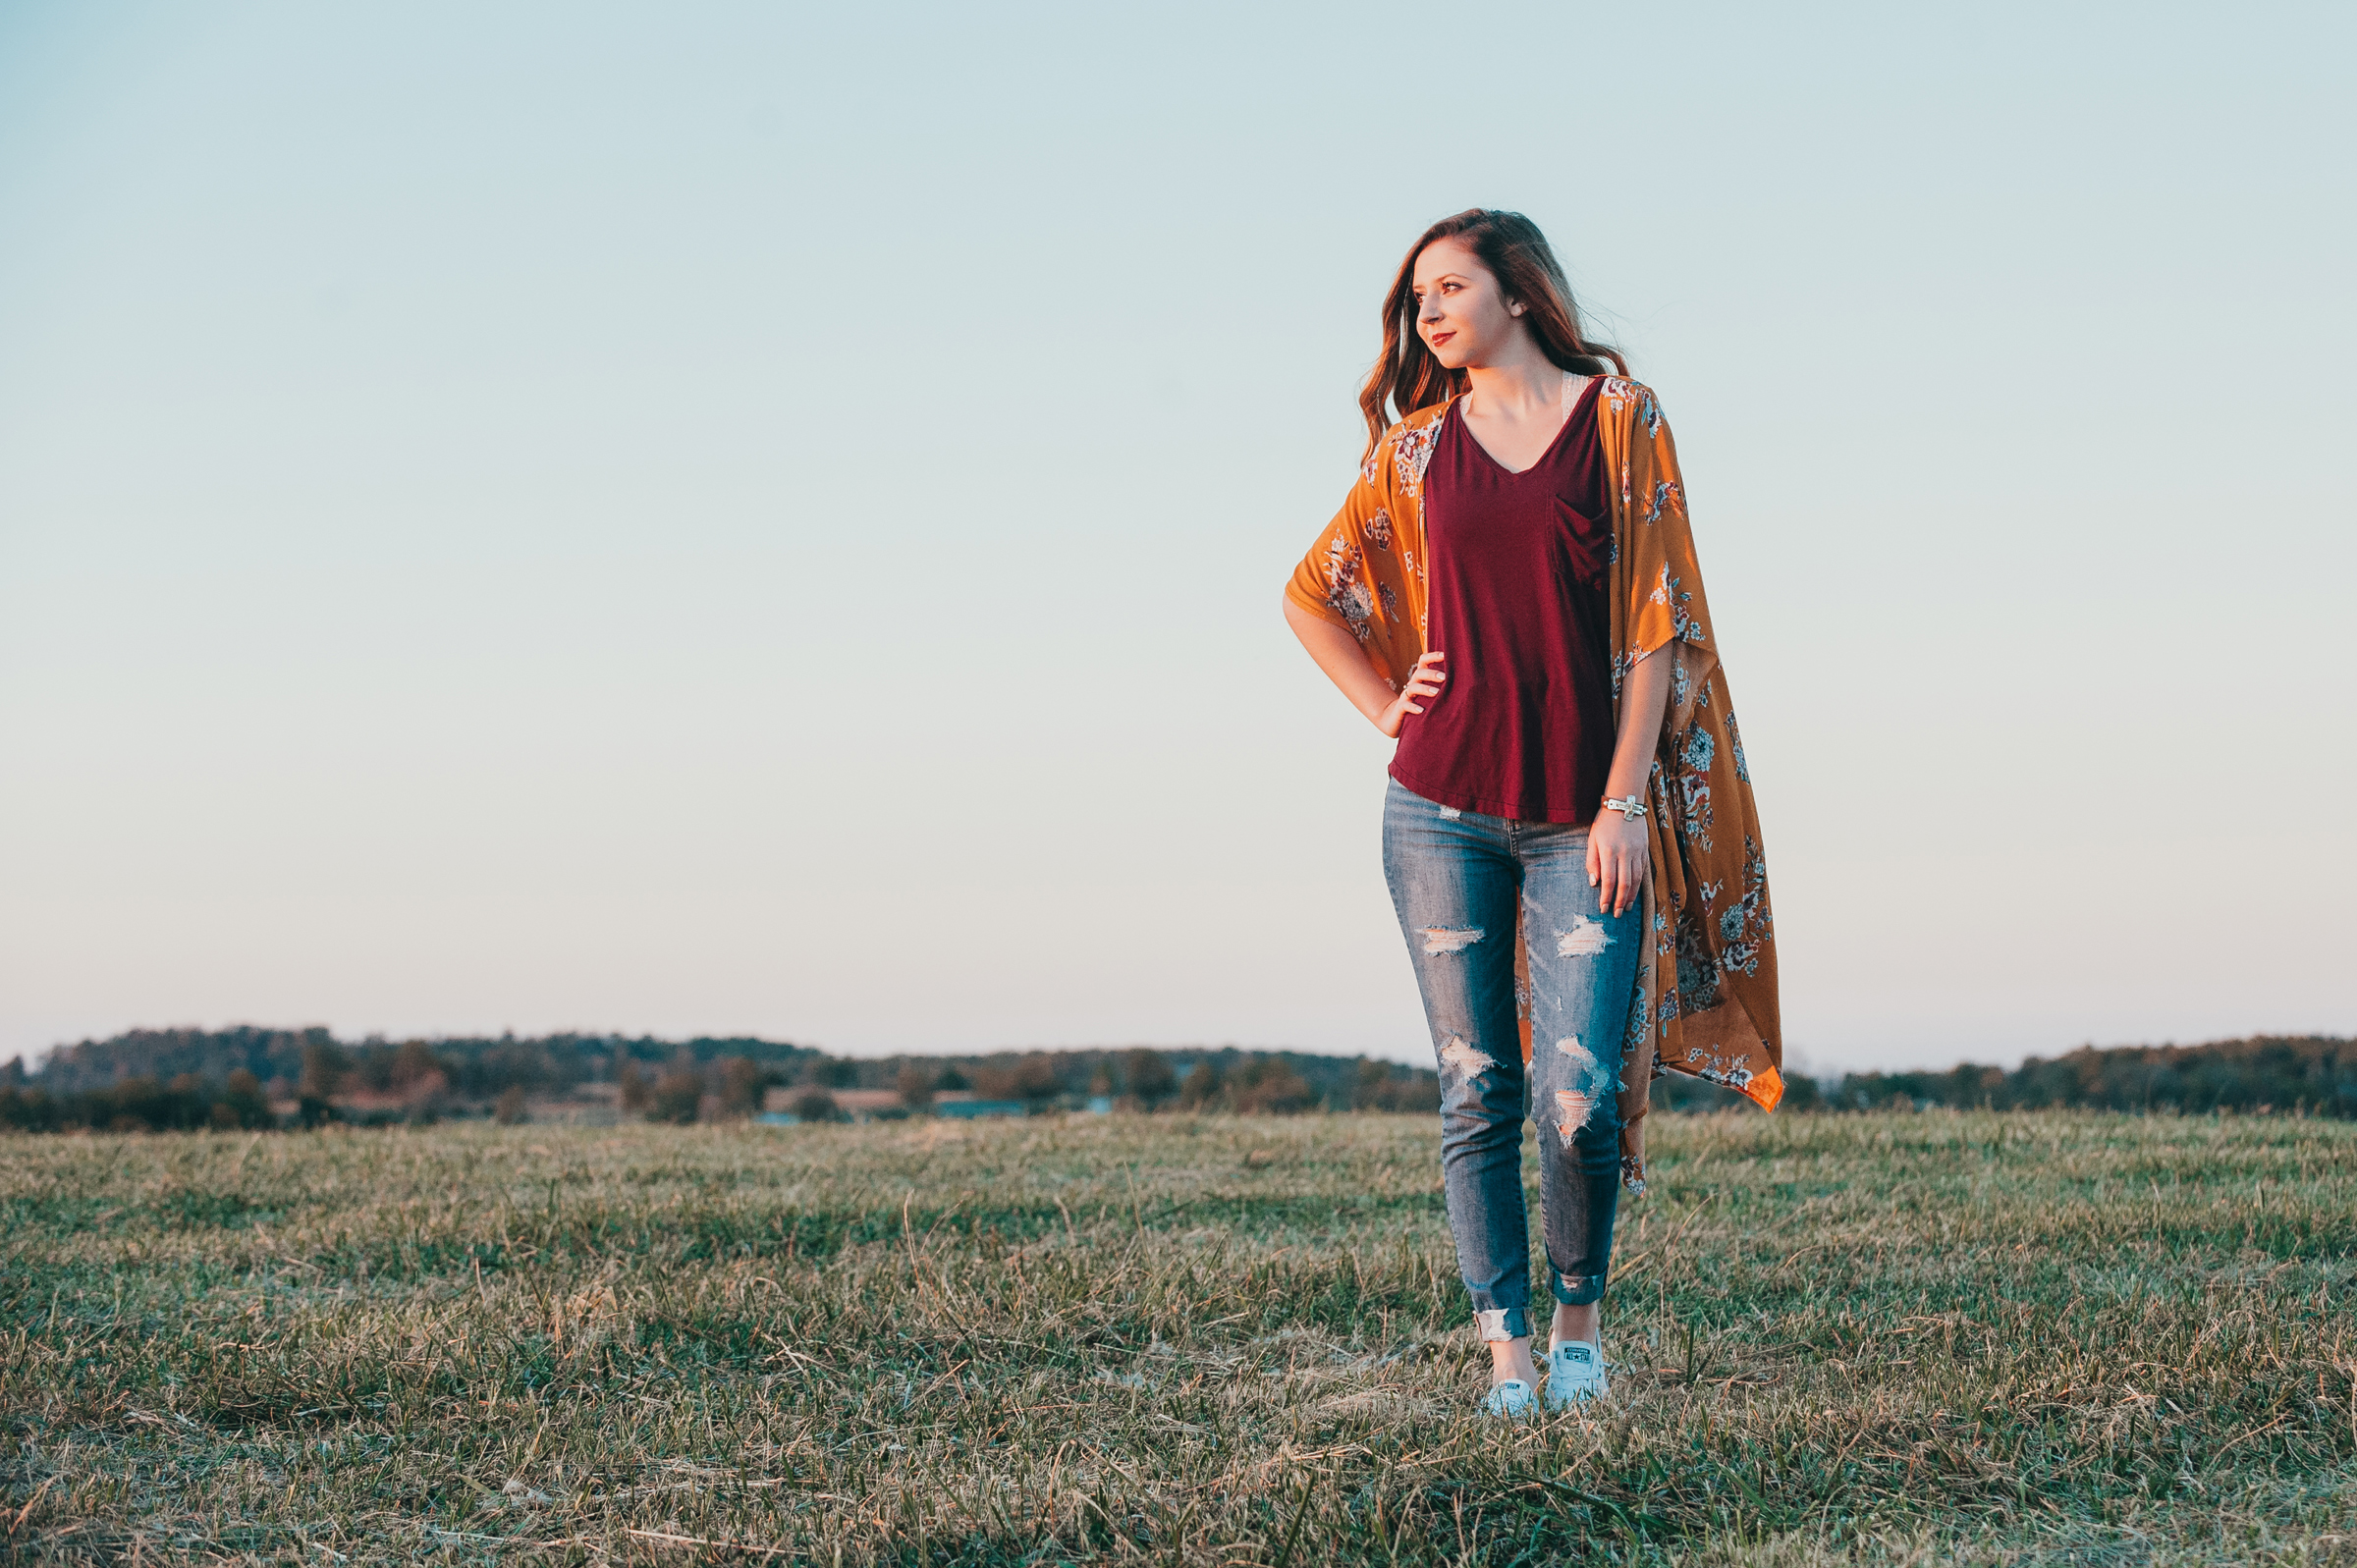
[1618, 857]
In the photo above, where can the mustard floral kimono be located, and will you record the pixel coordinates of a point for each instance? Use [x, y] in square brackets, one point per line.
[1706, 985]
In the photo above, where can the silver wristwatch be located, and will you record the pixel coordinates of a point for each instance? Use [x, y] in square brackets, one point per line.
[1631, 810]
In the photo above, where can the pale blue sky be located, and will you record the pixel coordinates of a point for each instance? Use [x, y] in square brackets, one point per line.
[749, 519]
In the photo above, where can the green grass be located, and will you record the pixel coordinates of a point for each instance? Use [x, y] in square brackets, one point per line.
[1910, 1338]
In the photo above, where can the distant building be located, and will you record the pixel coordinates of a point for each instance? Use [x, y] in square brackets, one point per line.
[869, 1104]
[962, 1103]
[860, 1104]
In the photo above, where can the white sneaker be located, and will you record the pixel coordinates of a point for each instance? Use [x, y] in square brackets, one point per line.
[1513, 1399]
[1575, 1373]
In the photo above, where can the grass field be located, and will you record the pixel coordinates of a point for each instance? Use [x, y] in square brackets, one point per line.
[1938, 1338]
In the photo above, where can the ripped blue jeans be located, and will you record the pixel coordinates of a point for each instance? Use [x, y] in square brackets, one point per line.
[1455, 878]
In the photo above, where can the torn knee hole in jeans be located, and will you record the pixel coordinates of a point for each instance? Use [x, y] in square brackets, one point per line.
[1465, 1056]
[1442, 940]
[1577, 1104]
[1586, 939]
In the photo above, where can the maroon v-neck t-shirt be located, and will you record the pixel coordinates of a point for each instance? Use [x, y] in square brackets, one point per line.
[1517, 566]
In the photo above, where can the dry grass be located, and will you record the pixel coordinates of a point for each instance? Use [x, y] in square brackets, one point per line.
[1910, 1338]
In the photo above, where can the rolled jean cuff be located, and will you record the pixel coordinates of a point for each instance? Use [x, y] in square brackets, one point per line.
[1576, 1290]
[1502, 1323]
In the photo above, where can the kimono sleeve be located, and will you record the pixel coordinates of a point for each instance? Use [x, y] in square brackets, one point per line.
[1352, 574]
[1712, 987]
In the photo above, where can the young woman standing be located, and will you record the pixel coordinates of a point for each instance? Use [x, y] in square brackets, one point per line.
[1511, 591]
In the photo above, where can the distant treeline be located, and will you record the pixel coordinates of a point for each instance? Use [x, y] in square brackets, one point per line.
[2312, 1073]
[254, 1078]
[478, 1067]
[1139, 1078]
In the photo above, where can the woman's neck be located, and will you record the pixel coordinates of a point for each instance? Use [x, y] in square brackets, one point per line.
[1525, 386]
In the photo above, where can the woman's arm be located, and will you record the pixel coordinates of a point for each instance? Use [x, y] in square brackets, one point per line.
[1346, 665]
[1619, 846]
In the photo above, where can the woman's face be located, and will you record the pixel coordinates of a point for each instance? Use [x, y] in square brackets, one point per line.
[1464, 317]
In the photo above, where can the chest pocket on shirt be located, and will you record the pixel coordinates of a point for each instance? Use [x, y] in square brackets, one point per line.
[1583, 544]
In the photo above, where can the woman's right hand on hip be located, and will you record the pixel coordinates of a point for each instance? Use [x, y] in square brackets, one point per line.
[1423, 681]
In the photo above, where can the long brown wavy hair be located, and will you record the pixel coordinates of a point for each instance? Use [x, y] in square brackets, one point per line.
[1511, 245]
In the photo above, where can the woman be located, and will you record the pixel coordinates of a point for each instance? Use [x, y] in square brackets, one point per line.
[1569, 834]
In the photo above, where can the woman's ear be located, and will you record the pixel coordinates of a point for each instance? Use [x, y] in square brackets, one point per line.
[1513, 307]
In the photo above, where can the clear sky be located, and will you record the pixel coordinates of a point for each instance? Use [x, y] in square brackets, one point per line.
[771, 518]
